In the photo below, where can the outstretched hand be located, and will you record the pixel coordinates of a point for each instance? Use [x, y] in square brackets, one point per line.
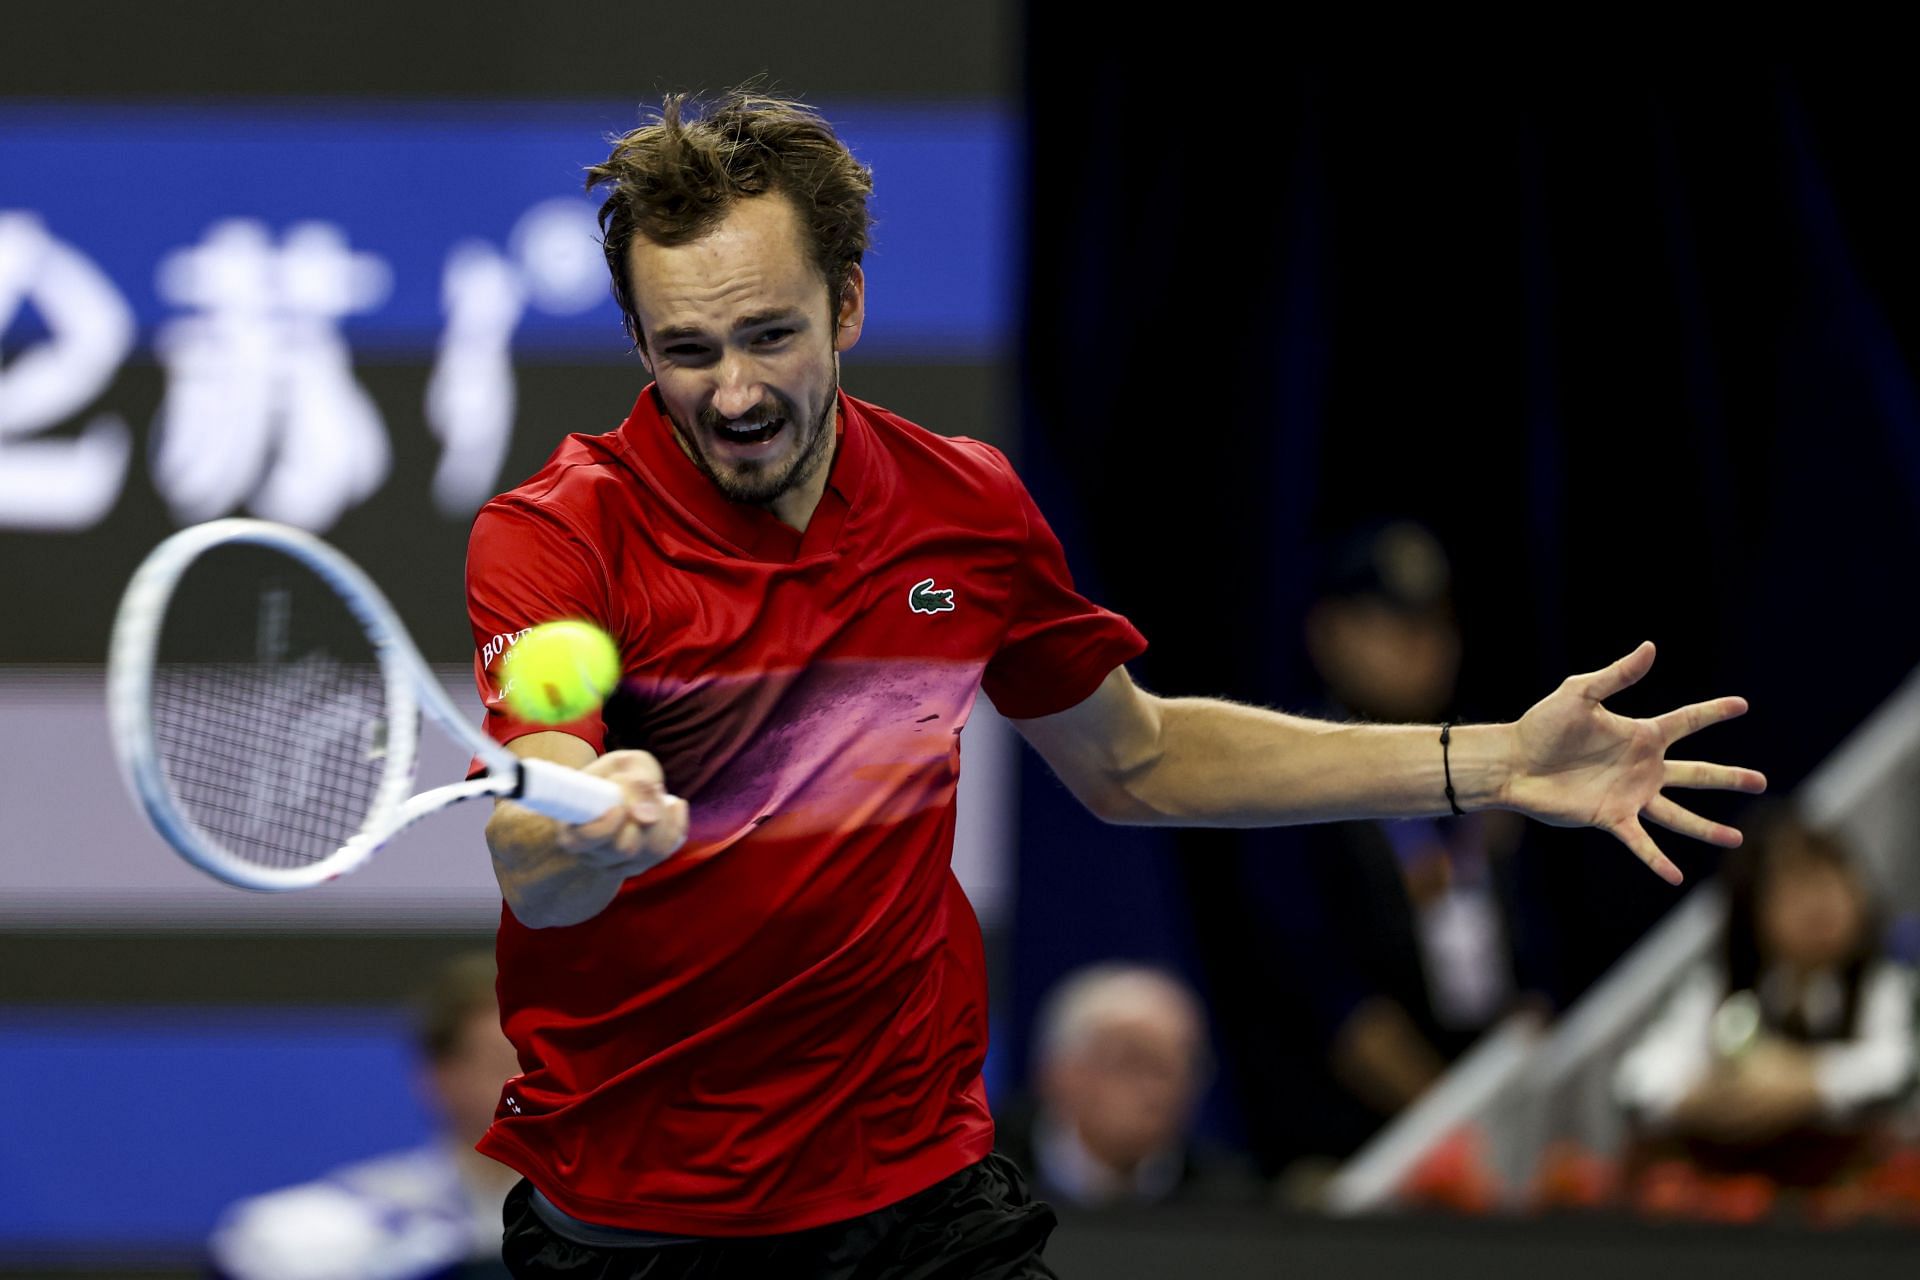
[1577, 764]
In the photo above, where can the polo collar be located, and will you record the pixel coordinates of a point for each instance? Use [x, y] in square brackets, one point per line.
[647, 439]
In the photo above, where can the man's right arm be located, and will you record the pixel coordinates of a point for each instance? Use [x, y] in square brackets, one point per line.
[552, 874]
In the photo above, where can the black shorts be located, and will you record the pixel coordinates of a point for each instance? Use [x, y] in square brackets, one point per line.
[979, 1224]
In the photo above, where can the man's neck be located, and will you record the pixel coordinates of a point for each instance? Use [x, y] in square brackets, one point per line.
[796, 506]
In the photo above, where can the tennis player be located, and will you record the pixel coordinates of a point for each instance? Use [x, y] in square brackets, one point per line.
[751, 1020]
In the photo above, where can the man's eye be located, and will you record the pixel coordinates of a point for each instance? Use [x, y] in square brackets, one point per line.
[684, 351]
[772, 336]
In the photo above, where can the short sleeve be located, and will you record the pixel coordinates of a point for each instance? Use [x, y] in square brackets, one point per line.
[1875, 1065]
[1674, 1053]
[1058, 646]
[526, 566]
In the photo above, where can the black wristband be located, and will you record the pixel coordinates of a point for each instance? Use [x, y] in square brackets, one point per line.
[1447, 764]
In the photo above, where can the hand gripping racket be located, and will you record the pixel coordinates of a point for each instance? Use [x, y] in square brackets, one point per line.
[265, 707]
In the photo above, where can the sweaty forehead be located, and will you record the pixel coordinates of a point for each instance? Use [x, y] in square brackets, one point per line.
[753, 262]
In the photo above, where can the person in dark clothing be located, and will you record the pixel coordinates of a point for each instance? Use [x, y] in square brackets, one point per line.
[1396, 943]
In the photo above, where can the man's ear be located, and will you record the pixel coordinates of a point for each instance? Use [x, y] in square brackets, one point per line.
[851, 317]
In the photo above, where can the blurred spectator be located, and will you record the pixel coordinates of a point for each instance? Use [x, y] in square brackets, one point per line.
[1395, 945]
[1786, 1055]
[433, 1211]
[1120, 1065]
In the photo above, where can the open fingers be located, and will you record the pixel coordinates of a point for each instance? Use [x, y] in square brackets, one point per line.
[1688, 823]
[1700, 775]
[1681, 721]
[1611, 679]
[1634, 836]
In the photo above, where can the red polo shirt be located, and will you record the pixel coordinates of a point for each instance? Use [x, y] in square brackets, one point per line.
[782, 1025]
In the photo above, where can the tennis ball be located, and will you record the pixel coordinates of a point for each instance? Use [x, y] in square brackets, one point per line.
[559, 671]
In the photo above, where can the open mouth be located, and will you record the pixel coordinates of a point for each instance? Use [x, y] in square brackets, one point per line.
[757, 433]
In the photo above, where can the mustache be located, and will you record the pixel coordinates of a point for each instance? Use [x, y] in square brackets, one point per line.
[759, 416]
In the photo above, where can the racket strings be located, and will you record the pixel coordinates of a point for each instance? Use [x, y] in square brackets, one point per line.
[279, 762]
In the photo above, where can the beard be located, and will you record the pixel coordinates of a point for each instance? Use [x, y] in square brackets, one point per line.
[753, 481]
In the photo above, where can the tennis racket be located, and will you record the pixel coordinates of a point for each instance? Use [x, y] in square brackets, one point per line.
[265, 707]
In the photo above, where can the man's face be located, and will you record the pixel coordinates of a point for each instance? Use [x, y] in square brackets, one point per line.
[1130, 1086]
[1811, 914]
[739, 336]
[1384, 662]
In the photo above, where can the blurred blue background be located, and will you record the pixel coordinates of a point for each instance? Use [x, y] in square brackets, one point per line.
[408, 180]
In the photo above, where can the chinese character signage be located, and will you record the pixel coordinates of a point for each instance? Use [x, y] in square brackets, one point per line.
[322, 315]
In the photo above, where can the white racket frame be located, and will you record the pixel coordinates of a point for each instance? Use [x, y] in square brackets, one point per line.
[555, 790]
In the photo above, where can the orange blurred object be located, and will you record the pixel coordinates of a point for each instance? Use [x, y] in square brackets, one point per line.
[1669, 1189]
[1895, 1185]
[1740, 1197]
[1841, 1205]
[1572, 1177]
[1454, 1176]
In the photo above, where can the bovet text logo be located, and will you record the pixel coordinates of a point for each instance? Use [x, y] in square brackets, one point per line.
[499, 645]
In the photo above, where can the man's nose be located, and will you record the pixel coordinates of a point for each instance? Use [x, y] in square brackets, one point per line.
[738, 391]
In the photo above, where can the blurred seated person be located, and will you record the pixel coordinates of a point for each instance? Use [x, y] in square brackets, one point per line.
[1388, 947]
[432, 1211]
[1787, 1054]
[1120, 1063]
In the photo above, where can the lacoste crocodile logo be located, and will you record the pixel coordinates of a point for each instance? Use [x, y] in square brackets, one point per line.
[925, 599]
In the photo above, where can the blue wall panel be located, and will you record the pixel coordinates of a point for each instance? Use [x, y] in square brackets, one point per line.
[406, 182]
[141, 1125]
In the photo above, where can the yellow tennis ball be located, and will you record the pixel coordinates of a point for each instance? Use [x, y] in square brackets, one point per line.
[559, 671]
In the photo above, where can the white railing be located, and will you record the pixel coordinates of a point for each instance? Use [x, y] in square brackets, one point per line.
[1475, 1084]
[1522, 1089]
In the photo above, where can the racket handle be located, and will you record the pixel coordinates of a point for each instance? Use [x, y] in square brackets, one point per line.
[566, 794]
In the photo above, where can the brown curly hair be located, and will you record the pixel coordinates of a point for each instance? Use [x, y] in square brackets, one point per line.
[674, 178]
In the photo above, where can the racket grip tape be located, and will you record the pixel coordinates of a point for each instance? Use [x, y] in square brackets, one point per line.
[563, 793]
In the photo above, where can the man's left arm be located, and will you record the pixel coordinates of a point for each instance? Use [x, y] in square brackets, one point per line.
[1132, 757]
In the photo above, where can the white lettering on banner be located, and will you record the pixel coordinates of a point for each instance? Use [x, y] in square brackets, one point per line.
[492, 649]
[471, 394]
[555, 264]
[500, 644]
[59, 483]
[261, 406]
